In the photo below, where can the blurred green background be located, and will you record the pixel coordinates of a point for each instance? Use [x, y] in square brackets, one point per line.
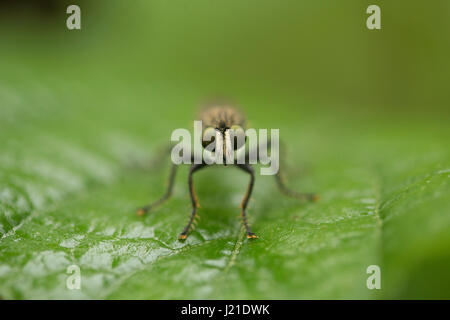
[364, 114]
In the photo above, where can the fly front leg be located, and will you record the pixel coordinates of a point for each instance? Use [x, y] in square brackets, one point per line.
[195, 167]
[247, 168]
[143, 210]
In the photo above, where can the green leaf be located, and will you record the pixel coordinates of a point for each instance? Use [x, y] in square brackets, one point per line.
[70, 185]
[78, 131]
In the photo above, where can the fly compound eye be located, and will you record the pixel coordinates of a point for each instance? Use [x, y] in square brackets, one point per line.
[209, 138]
[238, 137]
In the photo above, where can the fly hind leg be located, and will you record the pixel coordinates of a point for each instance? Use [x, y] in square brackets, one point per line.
[143, 210]
[279, 176]
[291, 193]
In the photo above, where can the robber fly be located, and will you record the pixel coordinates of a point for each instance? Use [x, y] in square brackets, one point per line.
[217, 122]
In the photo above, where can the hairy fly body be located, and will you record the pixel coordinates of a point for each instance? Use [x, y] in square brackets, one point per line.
[223, 127]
